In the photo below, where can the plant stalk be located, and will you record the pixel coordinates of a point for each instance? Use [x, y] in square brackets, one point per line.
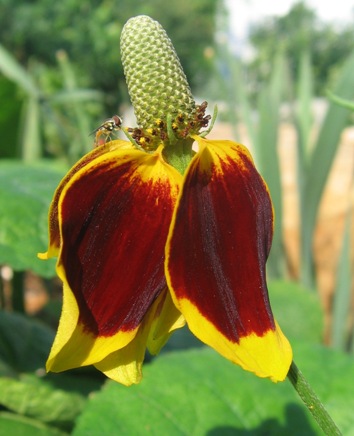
[312, 402]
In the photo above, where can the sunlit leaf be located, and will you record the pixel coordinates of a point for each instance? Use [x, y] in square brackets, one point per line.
[198, 392]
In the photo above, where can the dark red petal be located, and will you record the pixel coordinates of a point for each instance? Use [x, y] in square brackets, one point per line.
[114, 216]
[216, 252]
[53, 225]
[220, 242]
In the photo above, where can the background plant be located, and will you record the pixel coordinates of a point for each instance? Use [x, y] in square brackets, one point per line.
[75, 48]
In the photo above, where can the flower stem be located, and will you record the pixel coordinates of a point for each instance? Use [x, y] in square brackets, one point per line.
[312, 402]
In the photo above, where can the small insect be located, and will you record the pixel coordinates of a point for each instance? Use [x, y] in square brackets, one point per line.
[106, 129]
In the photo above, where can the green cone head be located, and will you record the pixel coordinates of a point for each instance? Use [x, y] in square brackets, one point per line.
[157, 85]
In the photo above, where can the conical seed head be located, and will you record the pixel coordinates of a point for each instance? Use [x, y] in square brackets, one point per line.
[156, 82]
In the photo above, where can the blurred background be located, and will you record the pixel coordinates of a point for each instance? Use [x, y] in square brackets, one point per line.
[282, 76]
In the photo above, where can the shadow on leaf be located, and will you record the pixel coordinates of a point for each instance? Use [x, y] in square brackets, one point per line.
[297, 423]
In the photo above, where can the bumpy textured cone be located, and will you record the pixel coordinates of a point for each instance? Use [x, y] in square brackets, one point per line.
[156, 82]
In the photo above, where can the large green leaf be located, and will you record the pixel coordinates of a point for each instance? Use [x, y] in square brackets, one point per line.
[225, 399]
[198, 393]
[25, 194]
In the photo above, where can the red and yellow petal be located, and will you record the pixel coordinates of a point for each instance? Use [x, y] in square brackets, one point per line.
[53, 225]
[114, 215]
[125, 365]
[165, 318]
[216, 252]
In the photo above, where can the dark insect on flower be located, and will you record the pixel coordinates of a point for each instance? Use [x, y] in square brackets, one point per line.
[106, 128]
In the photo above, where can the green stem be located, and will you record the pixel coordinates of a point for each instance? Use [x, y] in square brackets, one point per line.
[312, 402]
[180, 154]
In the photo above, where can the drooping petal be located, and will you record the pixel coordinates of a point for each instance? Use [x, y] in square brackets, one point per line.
[114, 215]
[216, 252]
[164, 320]
[54, 234]
[125, 365]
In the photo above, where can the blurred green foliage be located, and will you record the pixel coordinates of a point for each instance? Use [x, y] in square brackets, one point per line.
[64, 59]
[89, 33]
[300, 29]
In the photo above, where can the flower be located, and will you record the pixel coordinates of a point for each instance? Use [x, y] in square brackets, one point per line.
[149, 235]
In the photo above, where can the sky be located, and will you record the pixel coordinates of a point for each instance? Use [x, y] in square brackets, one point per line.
[245, 12]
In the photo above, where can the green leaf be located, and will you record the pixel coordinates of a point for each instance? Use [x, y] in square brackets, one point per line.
[24, 347]
[31, 138]
[267, 156]
[6, 370]
[17, 425]
[320, 163]
[34, 398]
[80, 116]
[198, 392]
[297, 311]
[342, 295]
[304, 115]
[15, 72]
[341, 101]
[25, 195]
[233, 90]
[83, 381]
[24, 342]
